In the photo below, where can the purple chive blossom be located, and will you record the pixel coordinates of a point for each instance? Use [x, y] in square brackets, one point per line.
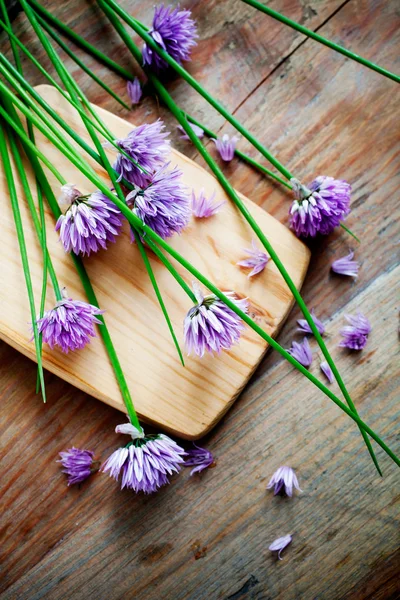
[226, 146]
[319, 208]
[304, 327]
[144, 463]
[327, 371]
[175, 31]
[257, 260]
[203, 207]
[195, 128]
[301, 351]
[283, 481]
[163, 205]
[148, 147]
[89, 223]
[69, 325]
[280, 544]
[199, 458]
[356, 334]
[134, 91]
[346, 265]
[78, 464]
[211, 325]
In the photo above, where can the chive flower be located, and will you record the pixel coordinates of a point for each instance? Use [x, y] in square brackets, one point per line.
[204, 207]
[78, 464]
[346, 266]
[356, 333]
[304, 327]
[257, 260]
[146, 462]
[319, 208]
[175, 32]
[69, 325]
[134, 91]
[283, 481]
[327, 371]
[148, 147]
[211, 325]
[226, 146]
[89, 223]
[301, 351]
[199, 458]
[163, 204]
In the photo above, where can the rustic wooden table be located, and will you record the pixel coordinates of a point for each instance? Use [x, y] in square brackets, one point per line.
[207, 537]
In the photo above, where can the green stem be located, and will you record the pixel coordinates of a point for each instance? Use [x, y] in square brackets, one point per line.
[245, 157]
[126, 74]
[158, 293]
[81, 64]
[38, 224]
[169, 102]
[5, 159]
[113, 176]
[20, 84]
[172, 270]
[142, 32]
[82, 272]
[138, 224]
[347, 230]
[33, 153]
[80, 41]
[99, 126]
[28, 196]
[275, 345]
[22, 134]
[14, 47]
[49, 78]
[319, 38]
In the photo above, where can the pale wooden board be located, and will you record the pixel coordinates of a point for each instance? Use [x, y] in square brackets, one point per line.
[186, 401]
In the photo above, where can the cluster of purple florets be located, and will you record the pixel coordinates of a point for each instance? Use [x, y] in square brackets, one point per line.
[319, 208]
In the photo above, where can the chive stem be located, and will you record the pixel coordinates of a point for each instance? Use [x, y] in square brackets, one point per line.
[33, 154]
[80, 63]
[5, 159]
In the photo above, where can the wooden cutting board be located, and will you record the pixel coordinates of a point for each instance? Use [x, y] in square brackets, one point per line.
[186, 401]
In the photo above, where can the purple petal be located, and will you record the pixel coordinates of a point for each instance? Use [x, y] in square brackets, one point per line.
[134, 90]
[346, 266]
[280, 544]
[327, 371]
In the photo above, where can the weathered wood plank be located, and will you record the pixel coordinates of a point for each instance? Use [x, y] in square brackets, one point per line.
[346, 540]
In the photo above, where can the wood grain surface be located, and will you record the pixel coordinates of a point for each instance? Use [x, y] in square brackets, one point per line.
[207, 537]
[186, 401]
